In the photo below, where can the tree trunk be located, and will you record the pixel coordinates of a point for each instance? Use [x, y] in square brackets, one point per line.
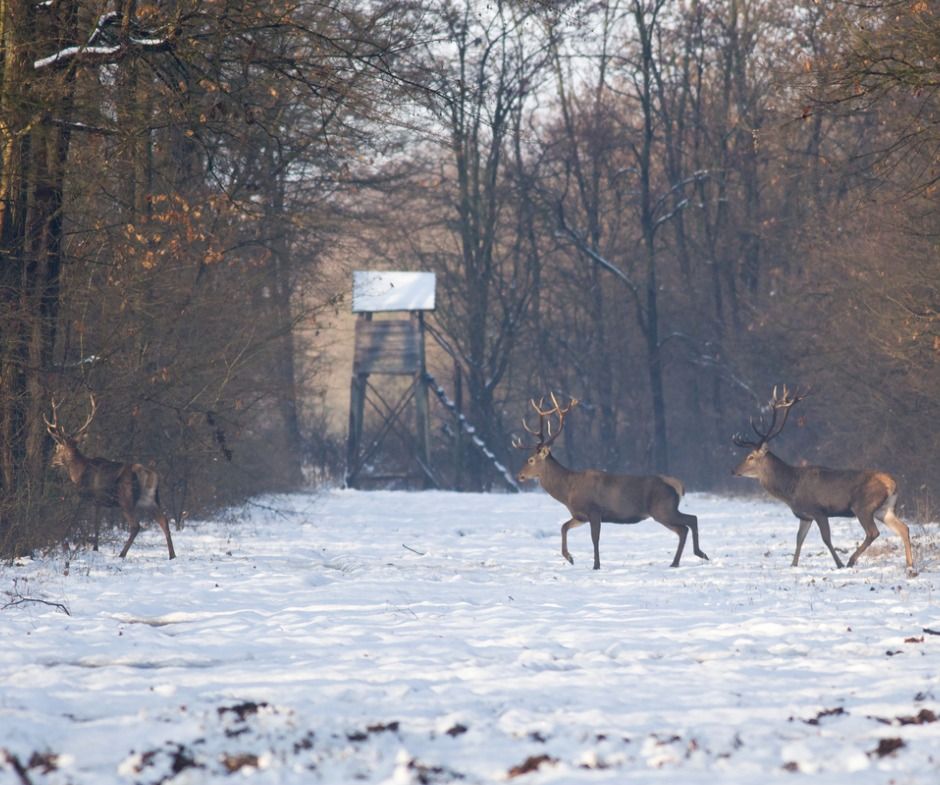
[650, 323]
[32, 179]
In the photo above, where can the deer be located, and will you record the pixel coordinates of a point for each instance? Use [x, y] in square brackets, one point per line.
[129, 486]
[594, 496]
[817, 493]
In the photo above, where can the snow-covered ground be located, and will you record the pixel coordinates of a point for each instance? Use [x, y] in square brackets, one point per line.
[434, 637]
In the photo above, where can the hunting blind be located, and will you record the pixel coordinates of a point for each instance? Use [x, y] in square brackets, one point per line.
[388, 347]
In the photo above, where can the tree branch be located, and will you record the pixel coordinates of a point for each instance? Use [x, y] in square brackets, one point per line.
[22, 600]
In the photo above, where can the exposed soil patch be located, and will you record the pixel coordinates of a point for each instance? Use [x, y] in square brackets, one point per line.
[530, 764]
[233, 763]
[886, 747]
[242, 710]
[836, 712]
[923, 717]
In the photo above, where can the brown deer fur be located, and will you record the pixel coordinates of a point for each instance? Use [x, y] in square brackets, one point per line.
[593, 496]
[817, 493]
[130, 487]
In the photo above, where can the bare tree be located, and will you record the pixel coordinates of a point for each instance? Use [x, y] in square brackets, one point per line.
[214, 118]
[478, 86]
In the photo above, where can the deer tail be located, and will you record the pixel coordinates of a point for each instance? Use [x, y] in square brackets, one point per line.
[145, 486]
[890, 486]
[673, 483]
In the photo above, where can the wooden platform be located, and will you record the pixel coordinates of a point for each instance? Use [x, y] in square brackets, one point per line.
[391, 346]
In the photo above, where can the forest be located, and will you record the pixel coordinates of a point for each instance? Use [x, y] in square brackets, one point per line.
[660, 208]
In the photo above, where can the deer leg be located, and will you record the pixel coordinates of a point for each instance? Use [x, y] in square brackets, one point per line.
[165, 525]
[574, 523]
[692, 522]
[69, 530]
[596, 539]
[899, 528]
[871, 534]
[682, 531]
[134, 524]
[805, 523]
[95, 523]
[823, 523]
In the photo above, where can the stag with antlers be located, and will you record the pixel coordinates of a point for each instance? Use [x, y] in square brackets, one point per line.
[817, 493]
[129, 486]
[594, 496]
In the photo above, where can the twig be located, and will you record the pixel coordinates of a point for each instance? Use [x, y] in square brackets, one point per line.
[21, 600]
[276, 510]
[409, 548]
[931, 632]
[18, 767]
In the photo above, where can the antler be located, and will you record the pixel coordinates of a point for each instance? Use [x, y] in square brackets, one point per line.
[94, 409]
[56, 431]
[545, 422]
[52, 427]
[778, 403]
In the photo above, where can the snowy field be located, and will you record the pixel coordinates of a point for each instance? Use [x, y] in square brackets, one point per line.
[434, 638]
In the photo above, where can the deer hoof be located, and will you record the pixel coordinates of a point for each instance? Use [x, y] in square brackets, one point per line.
[701, 555]
[568, 557]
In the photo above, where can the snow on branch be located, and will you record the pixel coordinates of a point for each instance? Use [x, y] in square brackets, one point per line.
[582, 245]
[695, 177]
[671, 214]
[467, 428]
[97, 47]
[71, 51]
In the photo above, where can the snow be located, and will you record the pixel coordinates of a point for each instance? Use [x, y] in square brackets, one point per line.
[467, 428]
[90, 47]
[391, 637]
[71, 51]
[375, 291]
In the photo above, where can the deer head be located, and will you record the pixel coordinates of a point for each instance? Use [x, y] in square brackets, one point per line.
[753, 464]
[66, 444]
[546, 435]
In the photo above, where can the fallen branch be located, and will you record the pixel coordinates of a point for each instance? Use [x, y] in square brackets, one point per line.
[18, 767]
[21, 600]
[282, 512]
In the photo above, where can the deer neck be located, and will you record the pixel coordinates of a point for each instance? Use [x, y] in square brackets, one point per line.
[555, 478]
[75, 464]
[777, 476]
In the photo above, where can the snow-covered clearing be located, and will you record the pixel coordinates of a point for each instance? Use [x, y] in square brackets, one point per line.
[437, 637]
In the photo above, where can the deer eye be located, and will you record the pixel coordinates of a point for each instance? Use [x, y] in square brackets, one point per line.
[532, 459]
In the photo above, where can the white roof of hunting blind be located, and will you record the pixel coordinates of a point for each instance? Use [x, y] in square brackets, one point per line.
[392, 291]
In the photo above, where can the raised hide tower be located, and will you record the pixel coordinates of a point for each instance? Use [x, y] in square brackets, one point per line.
[389, 380]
